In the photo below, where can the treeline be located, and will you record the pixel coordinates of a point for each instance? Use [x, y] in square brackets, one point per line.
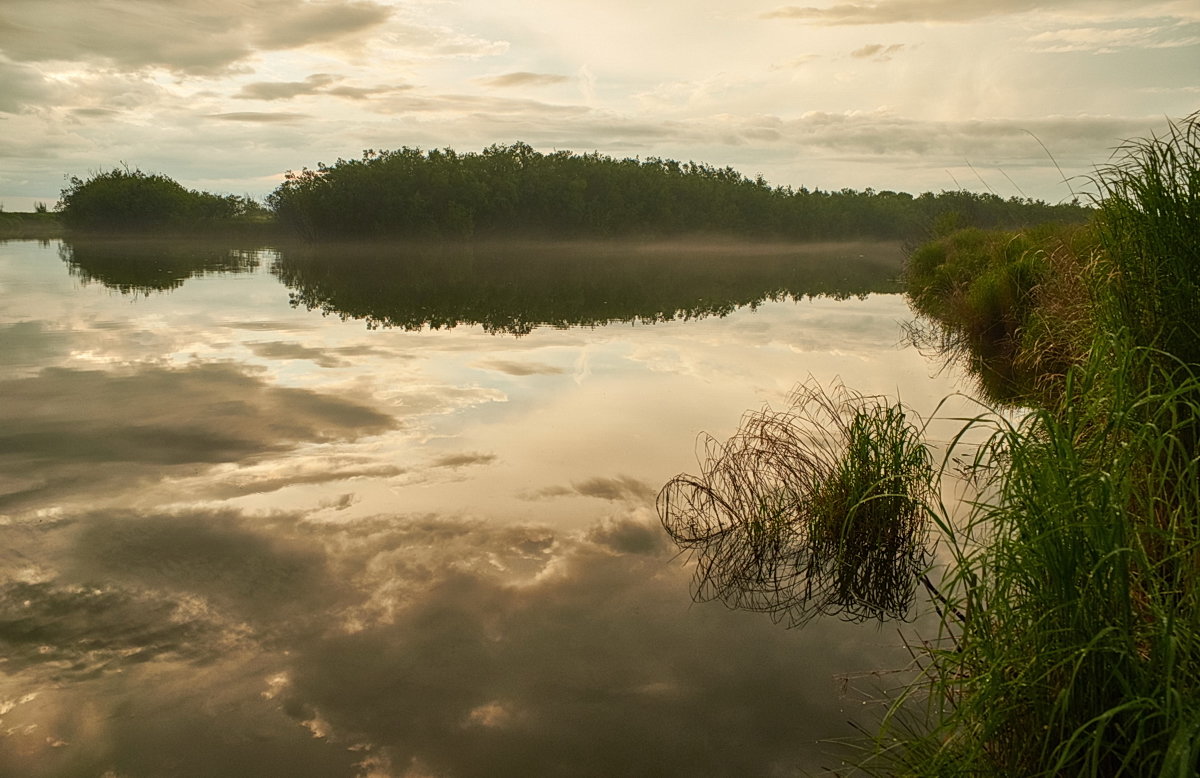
[515, 189]
[131, 201]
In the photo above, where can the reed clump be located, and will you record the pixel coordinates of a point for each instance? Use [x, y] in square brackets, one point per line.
[817, 509]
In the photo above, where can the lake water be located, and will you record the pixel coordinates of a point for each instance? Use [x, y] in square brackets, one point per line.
[390, 512]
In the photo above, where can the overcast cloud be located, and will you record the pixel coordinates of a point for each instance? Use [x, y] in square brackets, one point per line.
[894, 94]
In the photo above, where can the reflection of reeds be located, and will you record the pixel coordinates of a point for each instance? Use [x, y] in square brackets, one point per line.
[819, 509]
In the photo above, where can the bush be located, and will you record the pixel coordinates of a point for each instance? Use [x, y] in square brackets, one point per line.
[124, 200]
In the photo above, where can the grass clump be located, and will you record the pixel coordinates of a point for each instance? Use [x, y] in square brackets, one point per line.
[818, 509]
[1009, 305]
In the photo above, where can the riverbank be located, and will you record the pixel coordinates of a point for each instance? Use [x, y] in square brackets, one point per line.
[39, 225]
[1071, 644]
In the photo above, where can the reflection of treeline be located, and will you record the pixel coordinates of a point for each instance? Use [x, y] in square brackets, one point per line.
[146, 265]
[515, 189]
[123, 200]
[514, 288]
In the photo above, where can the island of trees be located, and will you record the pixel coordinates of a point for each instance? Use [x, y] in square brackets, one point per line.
[515, 190]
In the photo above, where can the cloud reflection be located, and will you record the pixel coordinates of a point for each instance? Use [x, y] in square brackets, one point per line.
[64, 430]
[427, 644]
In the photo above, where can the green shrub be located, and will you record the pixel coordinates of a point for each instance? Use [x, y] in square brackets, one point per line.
[123, 201]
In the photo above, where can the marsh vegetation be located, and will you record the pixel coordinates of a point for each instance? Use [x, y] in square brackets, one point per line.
[1070, 605]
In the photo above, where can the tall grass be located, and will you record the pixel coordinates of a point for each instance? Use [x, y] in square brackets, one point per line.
[1079, 650]
[1070, 633]
[1149, 199]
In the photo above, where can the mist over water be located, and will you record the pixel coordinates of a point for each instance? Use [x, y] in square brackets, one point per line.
[391, 512]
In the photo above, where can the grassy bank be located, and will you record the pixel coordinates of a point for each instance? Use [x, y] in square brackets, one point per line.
[40, 224]
[1069, 597]
[1077, 651]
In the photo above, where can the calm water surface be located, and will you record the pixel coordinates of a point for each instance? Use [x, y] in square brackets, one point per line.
[346, 512]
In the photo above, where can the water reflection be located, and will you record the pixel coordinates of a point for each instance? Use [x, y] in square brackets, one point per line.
[143, 265]
[512, 288]
[238, 538]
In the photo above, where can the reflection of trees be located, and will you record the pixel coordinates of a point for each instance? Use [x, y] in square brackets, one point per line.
[149, 265]
[819, 509]
[514, 288]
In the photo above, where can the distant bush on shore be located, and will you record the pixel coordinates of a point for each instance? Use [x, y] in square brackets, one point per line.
[124, 201]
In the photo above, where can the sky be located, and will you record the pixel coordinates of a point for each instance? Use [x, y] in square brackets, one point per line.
[1017, 97]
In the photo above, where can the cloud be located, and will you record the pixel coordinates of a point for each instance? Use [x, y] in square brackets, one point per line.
[283, 90]
[796, 62]
[316, 84]
[21, 87]
[69, 631]
[248, 572]
[259, 117]
[25, 343]
[590, 668]
[620, 488]
[94, 113]
[912, 11]
[875, 134]
[466, 647]
[465, 459]
[523, 78]
[309, 22]
[322, 357]
[878, 52]
[1104, 40]
[198, 37]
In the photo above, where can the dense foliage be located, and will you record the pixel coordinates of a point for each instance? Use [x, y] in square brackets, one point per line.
[124, 200]
[515, 189]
